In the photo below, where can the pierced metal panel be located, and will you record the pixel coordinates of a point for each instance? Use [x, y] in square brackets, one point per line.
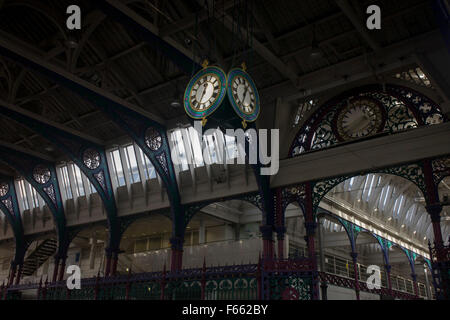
[153, 139]
[4, 189]
[91, 159]
[390, 109]
[41, 174]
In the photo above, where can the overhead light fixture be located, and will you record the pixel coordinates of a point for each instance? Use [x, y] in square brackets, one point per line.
[71, 42]
[316, 52]
[175, 103]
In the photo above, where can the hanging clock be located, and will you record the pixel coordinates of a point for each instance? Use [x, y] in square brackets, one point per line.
[243, 95]
[360, 118]
[205, 92]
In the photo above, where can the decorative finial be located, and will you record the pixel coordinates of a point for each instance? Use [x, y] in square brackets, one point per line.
[244, 124]
[205, 63]
[204, 120]
[244, 66]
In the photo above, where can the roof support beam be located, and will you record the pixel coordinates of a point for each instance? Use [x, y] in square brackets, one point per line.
[12, 109]
[14, 49]
[150, 33]
[265, 53]
[357, 23]
[362, 67]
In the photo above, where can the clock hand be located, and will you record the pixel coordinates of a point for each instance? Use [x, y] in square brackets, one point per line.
[245, 95]
[203, 93]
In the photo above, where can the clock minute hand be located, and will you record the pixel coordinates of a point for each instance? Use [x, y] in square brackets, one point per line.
[245, 95]
[203, 93]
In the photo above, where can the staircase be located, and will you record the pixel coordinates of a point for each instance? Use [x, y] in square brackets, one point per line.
[36, 258]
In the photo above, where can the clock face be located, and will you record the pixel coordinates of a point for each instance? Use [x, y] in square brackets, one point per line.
[360, 118]
[243, 95]
[204, 92]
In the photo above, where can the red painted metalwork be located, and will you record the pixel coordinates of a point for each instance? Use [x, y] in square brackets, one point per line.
[350, 283]
[55, 269]
[354, 256]
[62, 269]
[19, 274]
[12, 274]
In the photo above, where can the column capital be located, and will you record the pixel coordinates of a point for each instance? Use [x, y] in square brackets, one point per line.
[354, 255]
[266, 231]
[177, 243]
[310, 228]
[280, 230]
[434, 210]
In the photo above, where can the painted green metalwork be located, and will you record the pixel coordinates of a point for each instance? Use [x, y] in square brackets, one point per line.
[41, 174]
[89, 157]
[401, 108]
[10, 208]
[412, 172]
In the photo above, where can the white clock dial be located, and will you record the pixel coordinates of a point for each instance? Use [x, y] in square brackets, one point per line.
[243, 94]
[205, 92]
[359, 119]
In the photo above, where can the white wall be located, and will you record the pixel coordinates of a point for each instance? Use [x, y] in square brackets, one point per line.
[339, 293]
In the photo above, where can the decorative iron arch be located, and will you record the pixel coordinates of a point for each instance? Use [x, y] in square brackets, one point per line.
[192, 209]
[441, 169]
[410, 172]
[411, 256]
[348, 226]
[399, 108]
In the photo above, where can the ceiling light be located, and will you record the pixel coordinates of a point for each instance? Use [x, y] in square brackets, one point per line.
[414, 232]
[176, 98]
[424, 238]
[403, 225]
[175, 104]
[71, 43]
[390, 218]
[316, 52]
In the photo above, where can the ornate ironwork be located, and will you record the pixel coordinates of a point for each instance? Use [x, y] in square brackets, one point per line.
[153, 139]
[9, 205]
[4, 189]
[350, 283]
[401, 108]
[163, 161]
[254, 199]
[441, 169]
[321, 188]
[41, 174]
[50, 191]
[292, 194]
[411, 172]
[92, 158]
[100, 177]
